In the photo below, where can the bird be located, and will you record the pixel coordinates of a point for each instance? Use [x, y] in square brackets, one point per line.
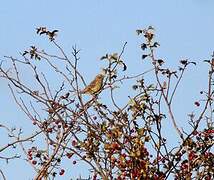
[95, 86]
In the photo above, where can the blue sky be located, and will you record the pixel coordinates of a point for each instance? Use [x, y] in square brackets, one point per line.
[184, 29]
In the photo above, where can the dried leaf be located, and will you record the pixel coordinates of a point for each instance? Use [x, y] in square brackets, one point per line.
[139, 31]
[143, 46]
[144, 56]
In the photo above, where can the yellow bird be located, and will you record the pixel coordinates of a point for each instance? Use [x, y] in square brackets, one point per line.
[95, 86]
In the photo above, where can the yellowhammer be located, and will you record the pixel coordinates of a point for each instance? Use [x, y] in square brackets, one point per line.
[95, 86]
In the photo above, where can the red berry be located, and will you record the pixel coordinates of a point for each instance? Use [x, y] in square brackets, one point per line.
[29, 153]
[95, 177]
[74, 162]
[34, 162]
[61, 172]
[195, 133]
[50, 130]
[197, 103]
[69, 155]
[124, 155]
[74, 143]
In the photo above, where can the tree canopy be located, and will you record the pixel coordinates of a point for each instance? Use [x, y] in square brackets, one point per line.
[83, 122]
